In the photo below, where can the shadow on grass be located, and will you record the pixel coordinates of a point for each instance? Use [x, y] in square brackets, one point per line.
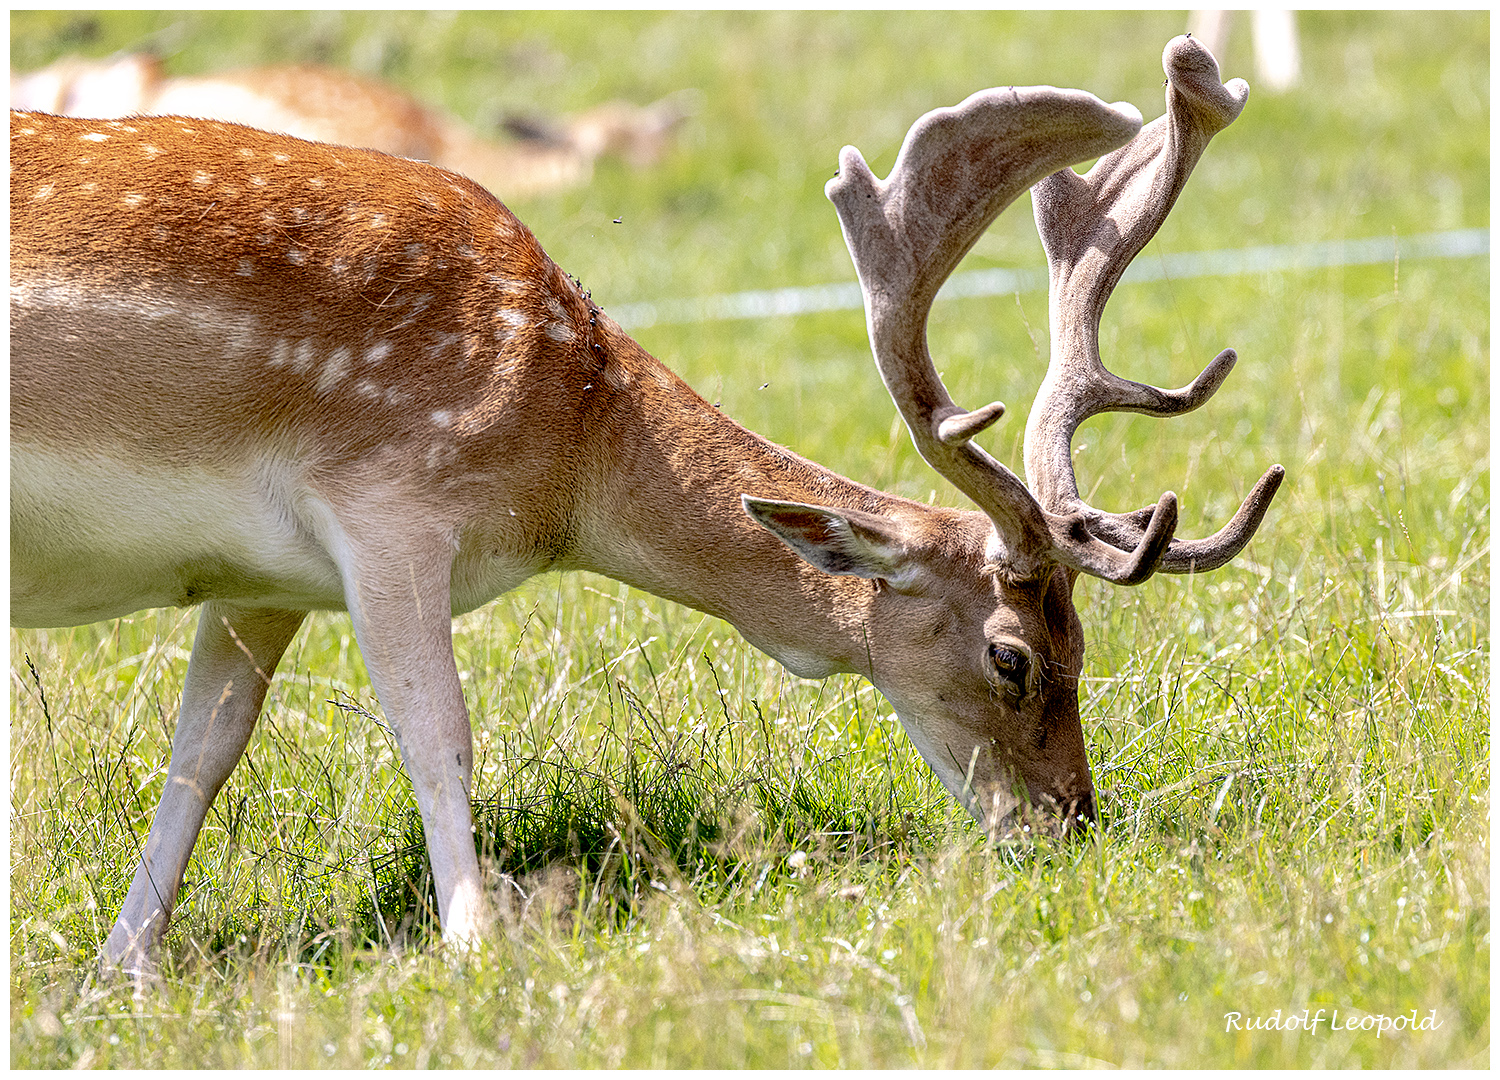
[642, 822]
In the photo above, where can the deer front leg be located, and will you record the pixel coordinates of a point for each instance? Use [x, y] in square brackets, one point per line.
[400, 603]
[234, 654]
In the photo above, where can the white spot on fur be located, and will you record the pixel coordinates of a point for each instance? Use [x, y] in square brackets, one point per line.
[93, 136]
[377, 221]
[505, 284]
[202, 178]
[258, 181]
[245, 269]
[282, 158]
[334, 370]
[296, 256]
[43, 193]
[443, 419]
[314, 181]
[304, 356]
[559, 332]
[246, 153]
[151, 152]
[281, 353]
[377, 352]
[415, 251]
[132, 200]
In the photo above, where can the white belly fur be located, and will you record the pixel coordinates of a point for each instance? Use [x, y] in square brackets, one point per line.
[94, 538]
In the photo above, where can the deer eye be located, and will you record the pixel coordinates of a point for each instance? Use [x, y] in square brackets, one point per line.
[1010, 666]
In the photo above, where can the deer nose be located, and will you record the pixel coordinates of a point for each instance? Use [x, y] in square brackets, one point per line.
[1074, 817]
[1081, 814]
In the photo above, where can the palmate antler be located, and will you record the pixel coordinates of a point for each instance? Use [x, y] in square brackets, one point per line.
[956, 171]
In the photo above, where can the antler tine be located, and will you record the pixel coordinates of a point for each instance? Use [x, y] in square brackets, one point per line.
[958, 168]
[1092, 227]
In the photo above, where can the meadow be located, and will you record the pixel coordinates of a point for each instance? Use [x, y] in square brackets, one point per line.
[703, 861]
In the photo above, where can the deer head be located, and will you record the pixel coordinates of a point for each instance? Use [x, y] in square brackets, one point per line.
[957, 169]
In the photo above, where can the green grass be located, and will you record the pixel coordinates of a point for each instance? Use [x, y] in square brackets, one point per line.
[703, 861]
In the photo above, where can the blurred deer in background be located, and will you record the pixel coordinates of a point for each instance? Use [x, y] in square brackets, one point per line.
[1273, 32]
[333, 106]
[272, 377]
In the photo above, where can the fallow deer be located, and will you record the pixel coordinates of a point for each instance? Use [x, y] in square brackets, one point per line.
[270, 376]
[331, 105]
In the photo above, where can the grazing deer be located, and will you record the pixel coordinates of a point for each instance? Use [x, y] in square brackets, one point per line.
[330, 105]
[271, 376]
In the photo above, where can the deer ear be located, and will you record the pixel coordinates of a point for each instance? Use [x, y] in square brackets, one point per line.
[839, 541]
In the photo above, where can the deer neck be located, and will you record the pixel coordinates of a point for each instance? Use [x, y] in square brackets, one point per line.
[663, 514]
